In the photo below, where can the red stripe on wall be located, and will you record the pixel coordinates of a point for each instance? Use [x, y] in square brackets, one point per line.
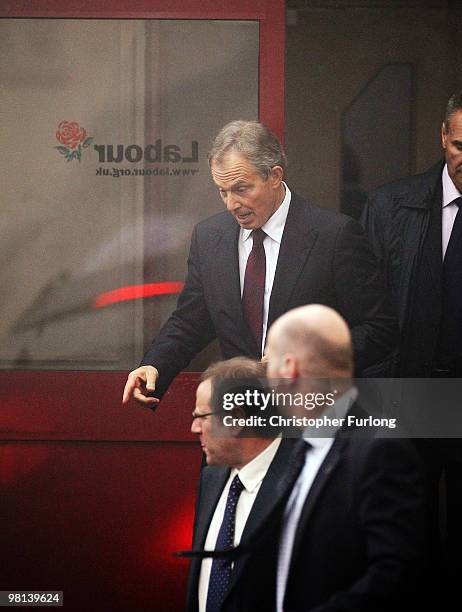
[134, 292]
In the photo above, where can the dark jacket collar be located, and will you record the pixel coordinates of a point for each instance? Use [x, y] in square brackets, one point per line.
[421, 192]
[297, 241]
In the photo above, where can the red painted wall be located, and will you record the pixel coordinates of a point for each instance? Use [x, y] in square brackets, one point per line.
[96, 497]
[98, 521]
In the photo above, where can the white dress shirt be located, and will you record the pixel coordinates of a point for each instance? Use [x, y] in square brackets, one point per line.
[450, 193]
[251, 476]
[313, 461]
[273, 229]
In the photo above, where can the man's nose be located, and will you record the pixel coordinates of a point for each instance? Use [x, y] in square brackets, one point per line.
[196, 426]
[232, 202]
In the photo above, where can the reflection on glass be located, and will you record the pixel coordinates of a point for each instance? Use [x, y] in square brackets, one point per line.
[376, 136]
[106, 124]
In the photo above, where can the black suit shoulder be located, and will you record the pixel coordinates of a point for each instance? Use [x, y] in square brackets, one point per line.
[316, 216]
[377, 452]
[369, 450]
[410, 190]
[395, 211]
[320, 217]
[339, 233]
[217, 222]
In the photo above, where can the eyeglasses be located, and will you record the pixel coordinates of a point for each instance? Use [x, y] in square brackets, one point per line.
[206, 414]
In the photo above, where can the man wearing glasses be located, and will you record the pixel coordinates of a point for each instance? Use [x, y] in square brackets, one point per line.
[237, 487]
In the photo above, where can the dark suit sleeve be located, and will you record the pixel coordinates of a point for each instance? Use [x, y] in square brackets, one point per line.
[197, 505]
[195, 564]
[390, 505]
[363, 300]
[188, 330]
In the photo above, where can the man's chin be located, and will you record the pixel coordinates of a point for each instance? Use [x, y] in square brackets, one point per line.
[208, 459]
[211, 460]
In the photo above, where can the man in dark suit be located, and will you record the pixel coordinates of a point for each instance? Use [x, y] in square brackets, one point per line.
[352, 529]
[415, 227]
[255, 456]
[269, 252]
[348, 532]
[410, 224]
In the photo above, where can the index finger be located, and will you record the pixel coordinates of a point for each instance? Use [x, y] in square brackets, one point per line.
[128, 389]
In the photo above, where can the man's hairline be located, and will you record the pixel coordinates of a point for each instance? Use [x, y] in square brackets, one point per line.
[447, 120]
[219, 158]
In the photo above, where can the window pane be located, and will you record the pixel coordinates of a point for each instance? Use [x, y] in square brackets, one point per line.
[105, 127]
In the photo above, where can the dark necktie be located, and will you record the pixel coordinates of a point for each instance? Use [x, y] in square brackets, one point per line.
[221, 568]
[254, 287]
[450, 340]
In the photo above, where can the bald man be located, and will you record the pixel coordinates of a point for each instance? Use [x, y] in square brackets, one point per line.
[352, 529]
[310, 342]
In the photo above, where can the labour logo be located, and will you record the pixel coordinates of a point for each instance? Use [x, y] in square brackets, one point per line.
[73, 139]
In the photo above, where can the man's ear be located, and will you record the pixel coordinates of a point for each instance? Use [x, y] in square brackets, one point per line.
[444, 135]
[236, 413]
[289, 367]
[276, 176]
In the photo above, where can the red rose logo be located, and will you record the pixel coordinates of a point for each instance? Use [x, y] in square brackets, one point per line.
[72, 138]
[70, 134]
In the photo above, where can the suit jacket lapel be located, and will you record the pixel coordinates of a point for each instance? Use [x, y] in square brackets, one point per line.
[325, 471]
[433, 250]
[276, 479]
[275, 488]
[415, 213]
[211, 489]
[225, 254]
[297, 241]
[211, 492]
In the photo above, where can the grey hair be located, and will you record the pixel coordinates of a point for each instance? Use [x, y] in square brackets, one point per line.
[254, 140]
[454, 104]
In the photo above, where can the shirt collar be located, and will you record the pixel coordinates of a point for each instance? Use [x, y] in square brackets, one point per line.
[274, 227]
[337, 411]
[253, 472]
[450, 191]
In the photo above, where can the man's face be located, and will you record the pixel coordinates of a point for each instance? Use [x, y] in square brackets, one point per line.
[452, 145]
[248, 197]
[219, 446]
